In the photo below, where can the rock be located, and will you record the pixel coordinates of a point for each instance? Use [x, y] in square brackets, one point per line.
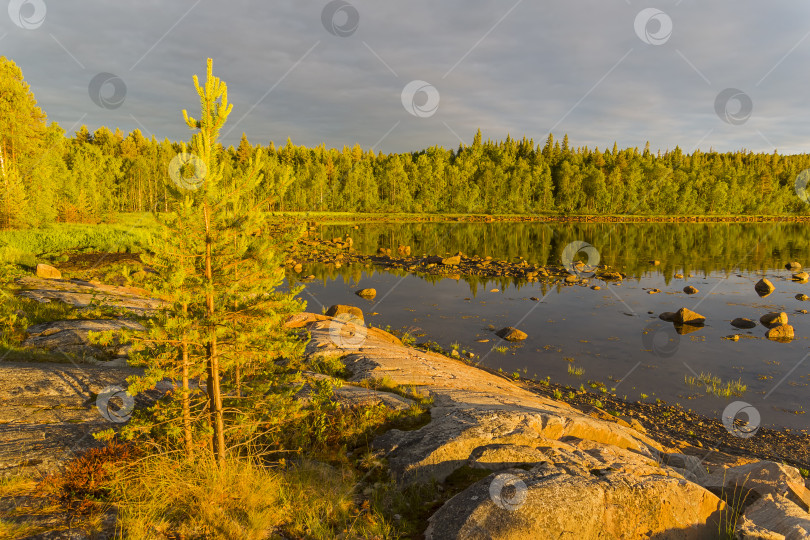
[455, 354]
[802, 297]
[742, 322]
[46, 271]
[367, 293]
[687, 316]
[452, 261]
[773, 517]
[83, 294]
[534, 299]
[668, 316]
[690, 290]
[800, 276]
[596, 287]
[793, 266]
[678, 276]
[72, 337]
[341, 309]
[783, 332]
[511, 334]
[550, 501]
[611, 276]
[655, 262]
[769, 320]
[654, 291]
[764, 287]
[762, 478]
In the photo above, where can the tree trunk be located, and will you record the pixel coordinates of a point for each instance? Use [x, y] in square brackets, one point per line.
[214, 393]
[186, 403]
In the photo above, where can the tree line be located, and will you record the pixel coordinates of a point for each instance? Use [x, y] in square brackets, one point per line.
[49, 176]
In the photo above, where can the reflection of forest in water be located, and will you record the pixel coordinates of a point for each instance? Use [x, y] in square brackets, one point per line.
[698, 248]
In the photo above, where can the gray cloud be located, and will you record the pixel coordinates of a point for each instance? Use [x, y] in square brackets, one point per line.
[539, 68]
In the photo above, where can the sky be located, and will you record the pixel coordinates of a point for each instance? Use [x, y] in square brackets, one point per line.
[404, 76]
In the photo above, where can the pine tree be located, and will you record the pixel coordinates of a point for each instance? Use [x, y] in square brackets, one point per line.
[219, 259]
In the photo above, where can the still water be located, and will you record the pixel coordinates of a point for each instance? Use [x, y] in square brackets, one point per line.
[613, 334]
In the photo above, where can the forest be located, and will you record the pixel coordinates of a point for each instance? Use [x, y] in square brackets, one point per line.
[49, 175]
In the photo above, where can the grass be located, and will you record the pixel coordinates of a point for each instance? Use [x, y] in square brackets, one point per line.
[576, 371]
[29, 246]
[715, 385]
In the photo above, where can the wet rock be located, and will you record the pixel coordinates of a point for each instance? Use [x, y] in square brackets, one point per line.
[802, 297]
[687, 316]
[742, 322]
[795, 265]
[800, 276]
[571, 278]
[342, 309]
[534, 299]
[595, 287]
[452, 261]
[773, 517]
[368, 294]
[668, 316]
[511, 334]
[783, 332]
[655, 262]
[690, 289]
[654, 291]
[678, 276]
[769, 320]
[48, 272]
[764, 287]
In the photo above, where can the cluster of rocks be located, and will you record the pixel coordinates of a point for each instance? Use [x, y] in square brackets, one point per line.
[340, 252]
[548, 470]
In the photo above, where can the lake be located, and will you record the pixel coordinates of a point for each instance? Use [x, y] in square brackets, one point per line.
[613, 334]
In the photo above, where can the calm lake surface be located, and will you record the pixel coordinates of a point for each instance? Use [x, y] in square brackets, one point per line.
[614, 334]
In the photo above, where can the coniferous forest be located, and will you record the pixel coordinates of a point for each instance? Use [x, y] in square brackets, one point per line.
[49, 175]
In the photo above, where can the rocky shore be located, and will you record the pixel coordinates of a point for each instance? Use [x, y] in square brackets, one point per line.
[533, 466]
[549, 470]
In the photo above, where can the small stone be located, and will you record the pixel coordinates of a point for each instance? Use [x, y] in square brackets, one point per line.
[800, 276]
[678, 276]
[368, 294]
[794, 265]
[452, 261]
[782, 332]
[654, 291]
[48, 272]
[655, 262]
[687, 316]
[764, 287]
[769, 320]
[741, 322]
[534, 299]
[690, 290]
[802, 297]
[596, 287]
[733, 337]
[511, 334]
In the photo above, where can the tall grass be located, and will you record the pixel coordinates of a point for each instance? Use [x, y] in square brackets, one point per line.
[25, 246]
[161, 496]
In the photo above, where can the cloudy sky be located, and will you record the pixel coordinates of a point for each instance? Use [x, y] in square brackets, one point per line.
[400, 76]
